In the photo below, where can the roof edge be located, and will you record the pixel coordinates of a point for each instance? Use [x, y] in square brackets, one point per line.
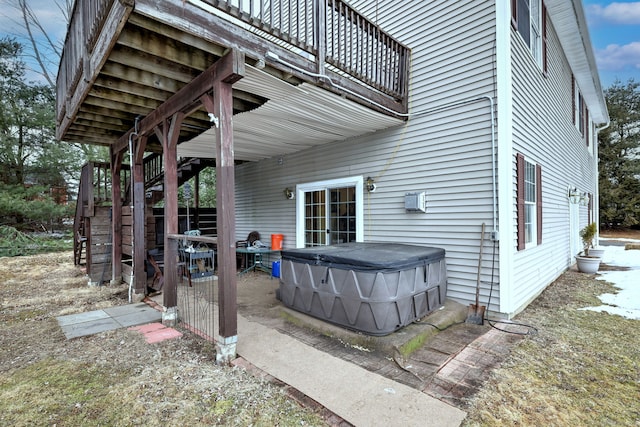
[576, 44]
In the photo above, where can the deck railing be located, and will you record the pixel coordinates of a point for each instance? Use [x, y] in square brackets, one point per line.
[153, 169]
[85, 25]
[330, 31]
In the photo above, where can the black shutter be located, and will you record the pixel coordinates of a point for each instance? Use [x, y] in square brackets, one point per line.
[544, 39]
[573, 99]
[586, 124]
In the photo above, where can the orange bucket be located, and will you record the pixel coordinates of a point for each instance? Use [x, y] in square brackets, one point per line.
[276, 242]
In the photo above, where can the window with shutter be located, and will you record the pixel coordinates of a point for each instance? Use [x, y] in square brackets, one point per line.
[529, 19]
[529, 203]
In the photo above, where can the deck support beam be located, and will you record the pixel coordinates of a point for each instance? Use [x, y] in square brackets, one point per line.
[213, 90]
[168, 133]
[220, 105]
[139, 226]
[116, 217]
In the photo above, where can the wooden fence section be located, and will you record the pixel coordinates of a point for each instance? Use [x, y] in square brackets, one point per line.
[127, 231]
[203, 219]
[94, 191]
[99, 243]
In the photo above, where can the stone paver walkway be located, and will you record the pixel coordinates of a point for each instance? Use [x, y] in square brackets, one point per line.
[94, 322]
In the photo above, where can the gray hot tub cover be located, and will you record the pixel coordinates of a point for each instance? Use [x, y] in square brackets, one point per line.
[383, 257]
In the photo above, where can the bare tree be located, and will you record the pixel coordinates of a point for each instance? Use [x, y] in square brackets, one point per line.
[43, 49]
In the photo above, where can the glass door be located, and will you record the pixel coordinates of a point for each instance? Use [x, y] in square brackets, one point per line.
[329, 212]
[315, 221]
[342, 215]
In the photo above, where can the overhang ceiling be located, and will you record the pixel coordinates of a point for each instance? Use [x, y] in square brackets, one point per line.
[292, 119]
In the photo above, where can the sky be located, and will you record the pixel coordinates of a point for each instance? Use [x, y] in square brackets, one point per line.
[614, 28]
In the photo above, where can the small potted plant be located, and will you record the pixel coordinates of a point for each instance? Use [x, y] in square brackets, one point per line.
[588, 263]
[597, 251]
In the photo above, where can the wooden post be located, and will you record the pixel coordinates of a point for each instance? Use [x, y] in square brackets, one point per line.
[139, 234]
[165, 121]
[116, 217]
[168, 135]
[225, 206]
[221, 106]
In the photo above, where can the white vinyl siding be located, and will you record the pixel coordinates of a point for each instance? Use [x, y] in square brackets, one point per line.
[445, 153]
[543, 129]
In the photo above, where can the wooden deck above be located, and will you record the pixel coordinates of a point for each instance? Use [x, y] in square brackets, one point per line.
[317, 65]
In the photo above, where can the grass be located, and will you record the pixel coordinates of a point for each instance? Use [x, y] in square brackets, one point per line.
[68, 393]
[581, 369]
[413, 344]
[59, 392]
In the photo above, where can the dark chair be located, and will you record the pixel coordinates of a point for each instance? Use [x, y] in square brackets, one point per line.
[252, 237]
[154, 265]
[241, 258]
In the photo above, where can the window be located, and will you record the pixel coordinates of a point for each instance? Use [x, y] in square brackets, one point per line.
[529, 202]
[529, 18]
[580, 111]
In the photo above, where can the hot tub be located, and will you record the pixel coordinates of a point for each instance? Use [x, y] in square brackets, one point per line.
[374, 288]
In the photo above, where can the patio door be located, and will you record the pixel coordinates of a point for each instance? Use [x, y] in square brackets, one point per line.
[329, 212]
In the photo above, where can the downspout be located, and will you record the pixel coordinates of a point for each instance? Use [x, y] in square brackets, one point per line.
[596, 202]
[131, 166]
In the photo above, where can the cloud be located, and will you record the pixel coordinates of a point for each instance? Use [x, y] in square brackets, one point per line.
[616, 13]
[617, 58]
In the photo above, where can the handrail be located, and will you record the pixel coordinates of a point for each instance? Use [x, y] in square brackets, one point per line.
[153, 169]
[212, 240]
[362, 49]
[78, 223]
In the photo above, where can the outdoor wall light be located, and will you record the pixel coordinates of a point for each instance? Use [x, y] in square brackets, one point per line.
[574, 196]
[371, 186]
[288, 193]
[584, 199]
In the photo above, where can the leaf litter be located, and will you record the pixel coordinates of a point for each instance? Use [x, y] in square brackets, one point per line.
[114, 378]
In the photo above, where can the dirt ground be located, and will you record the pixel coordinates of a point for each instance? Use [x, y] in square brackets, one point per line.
[620, 234]
[113, 378]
